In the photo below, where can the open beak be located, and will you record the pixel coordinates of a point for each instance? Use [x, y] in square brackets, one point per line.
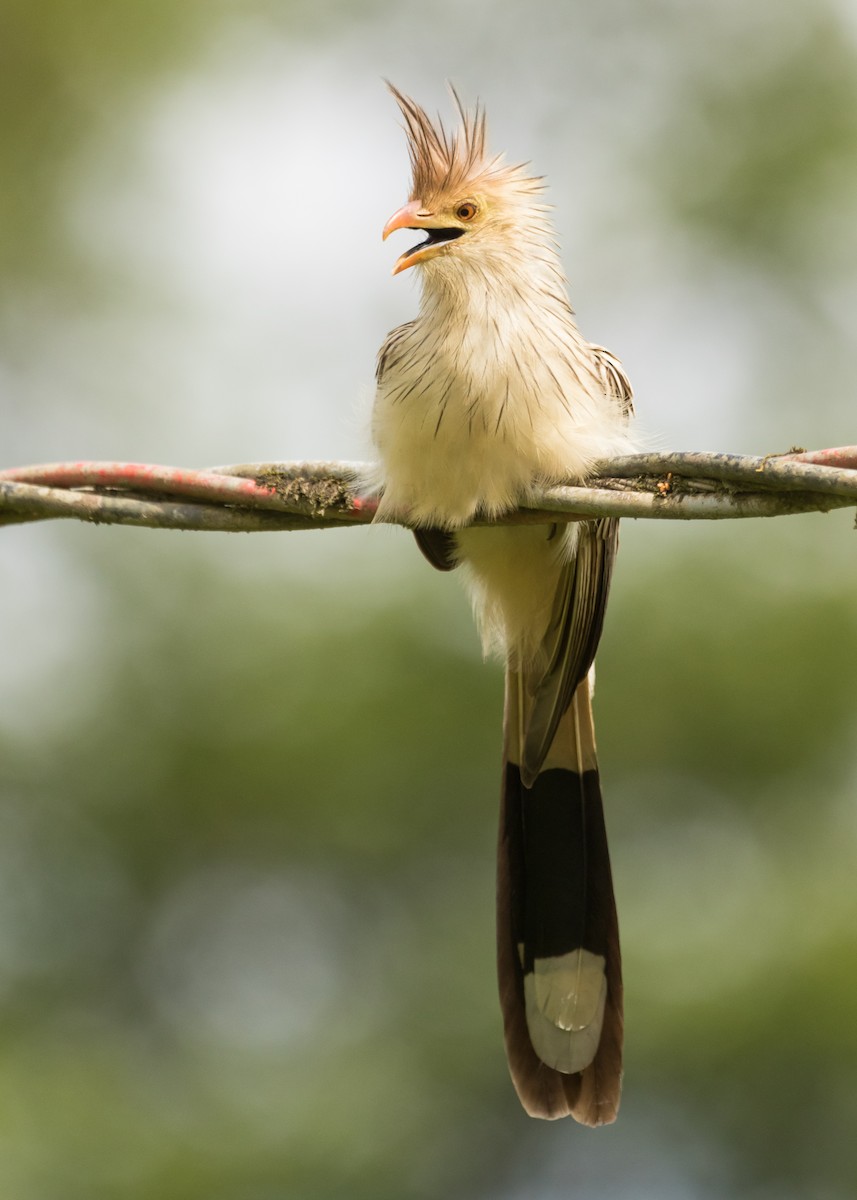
[414, 216]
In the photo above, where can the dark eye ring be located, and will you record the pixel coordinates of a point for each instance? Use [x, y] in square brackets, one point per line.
[466, 211]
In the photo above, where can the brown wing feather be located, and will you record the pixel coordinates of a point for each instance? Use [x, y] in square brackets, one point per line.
[613, 376]
[572, 637]
[389, 354]
[579, 606]
[439, 547]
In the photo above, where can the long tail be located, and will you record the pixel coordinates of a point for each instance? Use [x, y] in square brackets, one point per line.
[558, 951]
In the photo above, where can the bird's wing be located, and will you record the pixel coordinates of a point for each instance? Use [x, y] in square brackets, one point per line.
[391, 350]
[571, 640]
[580, 602]
[438, 546]
[613, 376]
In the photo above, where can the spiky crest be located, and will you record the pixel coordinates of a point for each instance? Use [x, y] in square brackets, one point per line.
[444, 162]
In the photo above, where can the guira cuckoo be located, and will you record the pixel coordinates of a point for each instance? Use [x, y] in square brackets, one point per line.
[490, 393]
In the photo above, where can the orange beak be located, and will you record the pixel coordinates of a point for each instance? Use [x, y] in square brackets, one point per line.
[414, 216]
[406, 218]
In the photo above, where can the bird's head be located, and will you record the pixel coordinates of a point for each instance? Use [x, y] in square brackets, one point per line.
[470, 205]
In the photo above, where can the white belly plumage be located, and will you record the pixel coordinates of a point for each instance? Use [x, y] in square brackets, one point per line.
[457, 436]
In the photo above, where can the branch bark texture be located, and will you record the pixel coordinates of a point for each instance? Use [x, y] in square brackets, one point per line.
[254, 497]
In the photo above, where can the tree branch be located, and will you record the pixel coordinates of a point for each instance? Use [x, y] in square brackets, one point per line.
[253, 497]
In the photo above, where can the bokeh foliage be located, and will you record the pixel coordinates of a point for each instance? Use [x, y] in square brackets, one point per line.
[247, 794]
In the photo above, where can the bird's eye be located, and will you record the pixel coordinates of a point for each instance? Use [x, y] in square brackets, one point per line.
[466, 211]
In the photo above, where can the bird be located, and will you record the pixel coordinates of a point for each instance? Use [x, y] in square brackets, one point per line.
[489, 395]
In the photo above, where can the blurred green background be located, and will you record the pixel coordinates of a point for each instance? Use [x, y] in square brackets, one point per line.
[248, 786]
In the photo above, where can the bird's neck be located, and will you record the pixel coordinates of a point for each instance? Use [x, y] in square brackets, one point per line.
[518, 294]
